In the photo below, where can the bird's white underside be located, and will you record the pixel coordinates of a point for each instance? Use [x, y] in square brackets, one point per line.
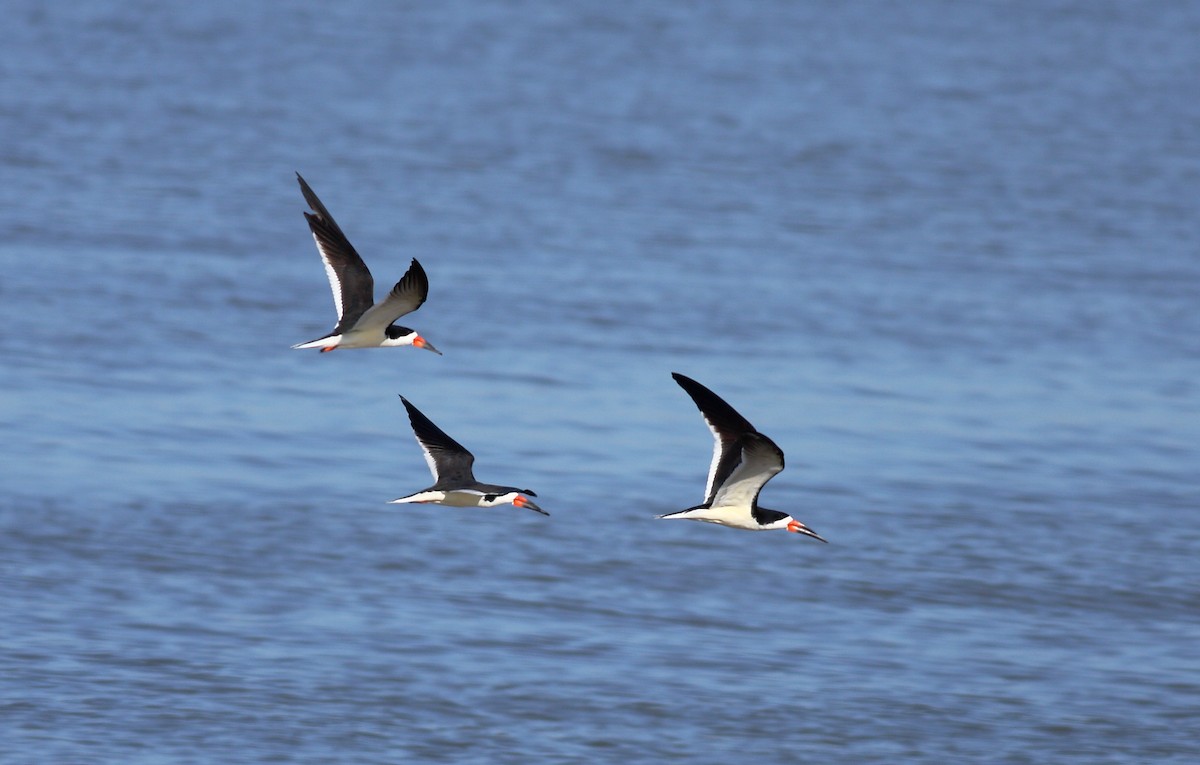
[458, 498]
[359, 338]
[735, 517]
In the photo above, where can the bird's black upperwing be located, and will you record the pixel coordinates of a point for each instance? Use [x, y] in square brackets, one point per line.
[349, 278]
[448, 460]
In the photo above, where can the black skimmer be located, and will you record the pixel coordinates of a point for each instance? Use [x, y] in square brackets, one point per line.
[454, 483]
[743, 461]
[362, 323]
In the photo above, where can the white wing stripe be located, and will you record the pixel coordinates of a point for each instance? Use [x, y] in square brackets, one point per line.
[718, 450]
[335, 284]
[429, 460]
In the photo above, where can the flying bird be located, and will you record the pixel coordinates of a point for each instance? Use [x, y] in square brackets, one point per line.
[454, 482]
[743, 461]
[362, 323]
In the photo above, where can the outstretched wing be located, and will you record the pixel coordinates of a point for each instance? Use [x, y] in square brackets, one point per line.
[758, 459]
[448, 460]
[727, 427]
[407, 296]
[349, 278]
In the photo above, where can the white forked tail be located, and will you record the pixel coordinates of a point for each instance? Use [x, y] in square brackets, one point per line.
[420, 496]
[329, 341]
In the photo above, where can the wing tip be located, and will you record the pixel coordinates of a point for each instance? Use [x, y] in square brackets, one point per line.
[412, 410]
[417, 273]
[717, 412]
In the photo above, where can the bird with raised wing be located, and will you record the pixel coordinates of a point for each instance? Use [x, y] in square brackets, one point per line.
[742, 463]
[362, 323]
[454, 481]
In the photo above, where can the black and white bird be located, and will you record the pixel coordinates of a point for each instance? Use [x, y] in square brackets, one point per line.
[743, 461]
[362, 323]
[454, 482]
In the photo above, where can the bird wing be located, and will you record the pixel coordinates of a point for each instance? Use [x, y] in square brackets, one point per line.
[448, 460]
[758, 460]
[349, 278]
[727, 427]
[407, 296]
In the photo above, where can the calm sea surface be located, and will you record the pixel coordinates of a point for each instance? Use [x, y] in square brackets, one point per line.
[946, 254]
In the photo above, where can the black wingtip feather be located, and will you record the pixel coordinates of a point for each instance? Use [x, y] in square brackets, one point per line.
[322, 215]
[414, 279]
[713, 406]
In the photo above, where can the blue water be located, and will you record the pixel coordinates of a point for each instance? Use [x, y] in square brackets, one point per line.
[944, 254]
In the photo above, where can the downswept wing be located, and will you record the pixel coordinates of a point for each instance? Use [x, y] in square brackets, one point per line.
[349, 278]
[407, 296]
[448, 460]
[758, 460]
[727, 427]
